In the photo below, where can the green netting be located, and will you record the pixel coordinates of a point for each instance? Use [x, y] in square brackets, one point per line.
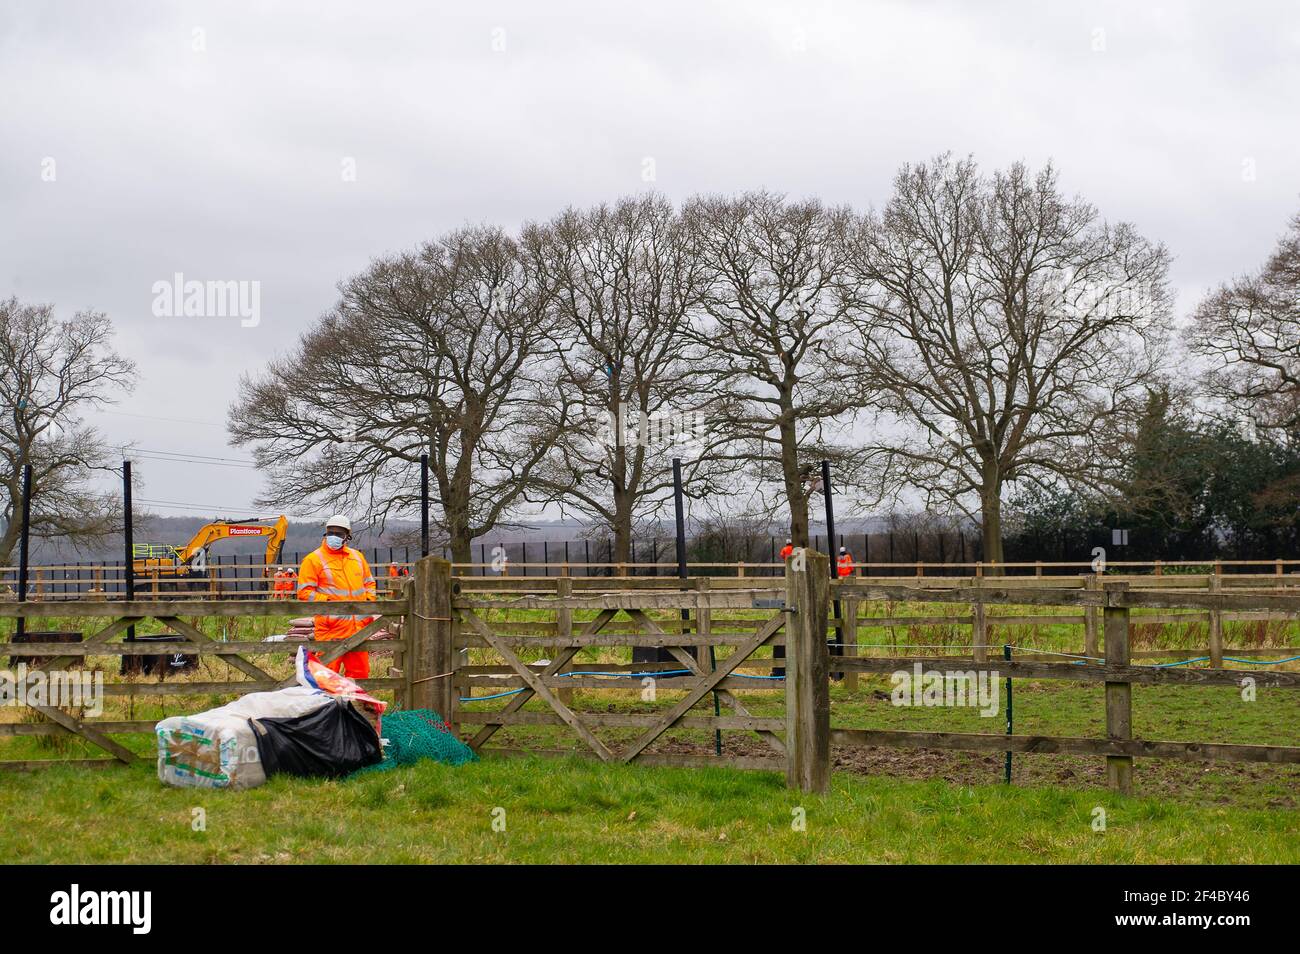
[419, 734]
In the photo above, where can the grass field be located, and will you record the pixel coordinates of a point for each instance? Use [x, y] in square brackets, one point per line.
[570, 810]
[885, 805]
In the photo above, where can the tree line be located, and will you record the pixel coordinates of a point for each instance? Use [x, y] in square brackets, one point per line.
[981, 341]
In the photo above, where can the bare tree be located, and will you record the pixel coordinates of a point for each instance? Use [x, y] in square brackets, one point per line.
[50, 373]
[1250, 330]
[626, 278]
[1006, 333]
[773, 319]
[433, 351]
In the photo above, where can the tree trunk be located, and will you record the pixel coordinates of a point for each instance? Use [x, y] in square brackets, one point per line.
[460, 549]
[622, 540]
[9, 540]
[991, 527]
[13, 526]
[460, 536]
[794, 491]
[798, 519]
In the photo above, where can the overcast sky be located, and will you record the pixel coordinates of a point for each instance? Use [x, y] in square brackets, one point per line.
[288, 144]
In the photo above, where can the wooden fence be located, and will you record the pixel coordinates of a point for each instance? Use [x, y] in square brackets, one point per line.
[231, 579]
[465, 641]
[118, 617]
[1113, 602]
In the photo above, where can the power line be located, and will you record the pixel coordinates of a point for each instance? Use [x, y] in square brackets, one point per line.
[178, 505]
[212, 508]
[155, 417]
[237, 460]
[209, 462]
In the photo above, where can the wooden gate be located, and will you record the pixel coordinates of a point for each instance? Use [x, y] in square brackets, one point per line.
[535, 623]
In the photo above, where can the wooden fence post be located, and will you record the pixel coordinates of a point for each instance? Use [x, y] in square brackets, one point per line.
[1091, 618]
[979, 633]
[703, 615]
[807, 689]
[1215, 585]
[430, 656]
[563, 630]
[1119, 697]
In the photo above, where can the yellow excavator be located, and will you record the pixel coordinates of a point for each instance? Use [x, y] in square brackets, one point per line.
[191, 560]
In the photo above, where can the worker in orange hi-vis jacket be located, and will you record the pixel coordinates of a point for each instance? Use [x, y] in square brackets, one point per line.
[845, 563]
[787, 549]
[333, 572]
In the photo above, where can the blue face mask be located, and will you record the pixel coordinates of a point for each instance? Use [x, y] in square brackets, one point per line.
[334, 541]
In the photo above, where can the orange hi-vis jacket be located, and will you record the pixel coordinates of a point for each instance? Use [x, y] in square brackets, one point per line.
[846, 564]
[330, 575]
[786, 551]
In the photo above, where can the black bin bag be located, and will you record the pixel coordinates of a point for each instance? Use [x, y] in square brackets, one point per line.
[329, 742]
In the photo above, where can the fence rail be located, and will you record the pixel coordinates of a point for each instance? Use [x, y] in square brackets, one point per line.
[464, 641]
[235, 580]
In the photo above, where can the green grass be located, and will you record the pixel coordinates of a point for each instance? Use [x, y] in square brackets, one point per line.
[570, 810]
[886, 805]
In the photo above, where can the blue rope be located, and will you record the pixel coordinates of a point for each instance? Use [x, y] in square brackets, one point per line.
[499, 695]
[1183, 662]
[1235, 659]
[1261, 662]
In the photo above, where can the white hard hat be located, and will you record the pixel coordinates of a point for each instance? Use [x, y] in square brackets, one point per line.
[339, 520]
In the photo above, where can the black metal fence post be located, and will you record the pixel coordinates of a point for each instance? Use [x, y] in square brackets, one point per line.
[24, 543]
[424, 505]
[128, 566]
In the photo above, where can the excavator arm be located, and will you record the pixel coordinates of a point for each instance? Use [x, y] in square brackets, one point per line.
[221, 529]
